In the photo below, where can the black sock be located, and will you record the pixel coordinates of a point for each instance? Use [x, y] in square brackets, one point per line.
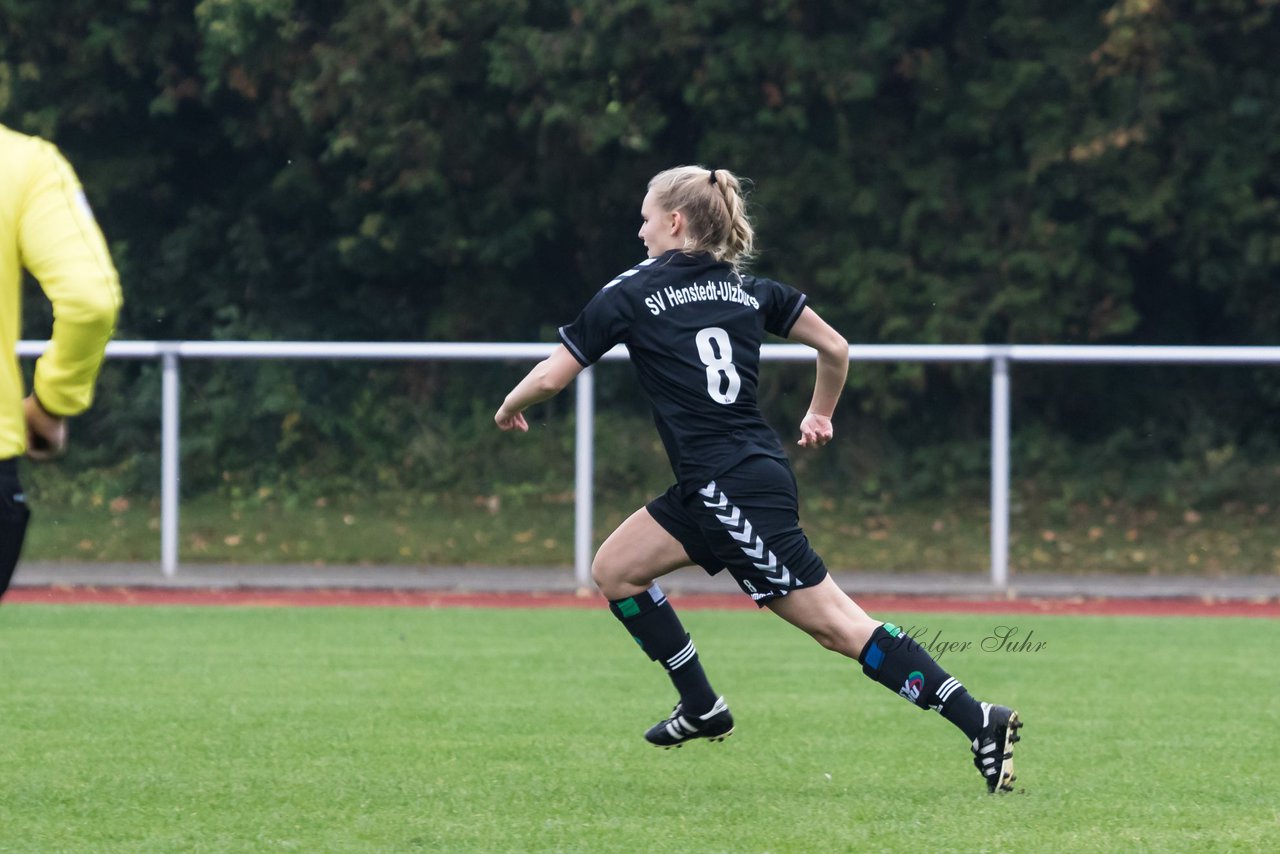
[654, 625]
[900, 664]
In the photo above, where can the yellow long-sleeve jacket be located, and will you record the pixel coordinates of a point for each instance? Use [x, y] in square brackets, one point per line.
[46, 227]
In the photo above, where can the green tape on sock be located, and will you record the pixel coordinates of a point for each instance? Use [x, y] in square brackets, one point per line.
[628, 607]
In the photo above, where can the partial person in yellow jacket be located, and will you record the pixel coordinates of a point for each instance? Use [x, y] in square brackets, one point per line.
[46, 228]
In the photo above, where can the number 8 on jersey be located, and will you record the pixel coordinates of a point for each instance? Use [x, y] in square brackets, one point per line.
[718, 364]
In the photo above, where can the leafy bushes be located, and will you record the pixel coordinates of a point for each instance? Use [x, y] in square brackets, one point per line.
[1015, 171]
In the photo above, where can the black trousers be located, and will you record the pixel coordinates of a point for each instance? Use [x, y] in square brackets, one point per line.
[13, 521]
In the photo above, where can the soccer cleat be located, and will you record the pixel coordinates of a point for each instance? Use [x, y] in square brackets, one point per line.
[715, 725]
[993, 748]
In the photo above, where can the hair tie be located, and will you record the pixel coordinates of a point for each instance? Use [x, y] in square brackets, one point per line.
[713, 177]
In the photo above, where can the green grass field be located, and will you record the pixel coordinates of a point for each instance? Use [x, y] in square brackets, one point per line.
[243, 729]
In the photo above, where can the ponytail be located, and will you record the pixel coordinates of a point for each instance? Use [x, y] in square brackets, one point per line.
[715, 208]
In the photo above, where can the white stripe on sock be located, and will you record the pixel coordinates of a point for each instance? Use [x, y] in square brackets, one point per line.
[948, 688]
[682, 657]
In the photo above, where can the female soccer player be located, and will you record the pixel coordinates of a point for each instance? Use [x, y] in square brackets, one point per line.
[693, 322]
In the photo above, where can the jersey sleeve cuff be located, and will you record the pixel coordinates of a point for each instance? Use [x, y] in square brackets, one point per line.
[45, 409]
[794, 316]
[573, 348]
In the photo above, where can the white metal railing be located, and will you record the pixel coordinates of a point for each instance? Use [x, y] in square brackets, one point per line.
[170, 353]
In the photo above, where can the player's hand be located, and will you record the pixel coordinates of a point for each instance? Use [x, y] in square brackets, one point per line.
[46, 434]
[508, 421]
[815, 430]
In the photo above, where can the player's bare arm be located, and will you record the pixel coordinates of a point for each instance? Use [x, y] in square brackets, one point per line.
[547, 379]
[833, 368]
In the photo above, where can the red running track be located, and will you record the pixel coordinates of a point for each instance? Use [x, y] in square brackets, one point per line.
[373, 598]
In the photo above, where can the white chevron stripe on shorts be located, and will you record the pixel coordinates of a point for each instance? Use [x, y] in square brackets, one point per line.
[740, 529]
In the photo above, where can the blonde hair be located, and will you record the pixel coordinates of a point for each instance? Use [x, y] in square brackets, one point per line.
[714, 207]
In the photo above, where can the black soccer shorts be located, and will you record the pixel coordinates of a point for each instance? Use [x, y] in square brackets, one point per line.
[13, 521]
[748, 521]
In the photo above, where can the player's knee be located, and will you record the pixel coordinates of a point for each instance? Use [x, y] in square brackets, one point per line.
[601, 572]
[825, 638]
[610, 574]
[859, 631]
[619, 578]
[842, 636]
[831, 639]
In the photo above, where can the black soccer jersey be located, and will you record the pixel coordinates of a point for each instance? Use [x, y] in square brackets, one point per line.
[693, 327]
